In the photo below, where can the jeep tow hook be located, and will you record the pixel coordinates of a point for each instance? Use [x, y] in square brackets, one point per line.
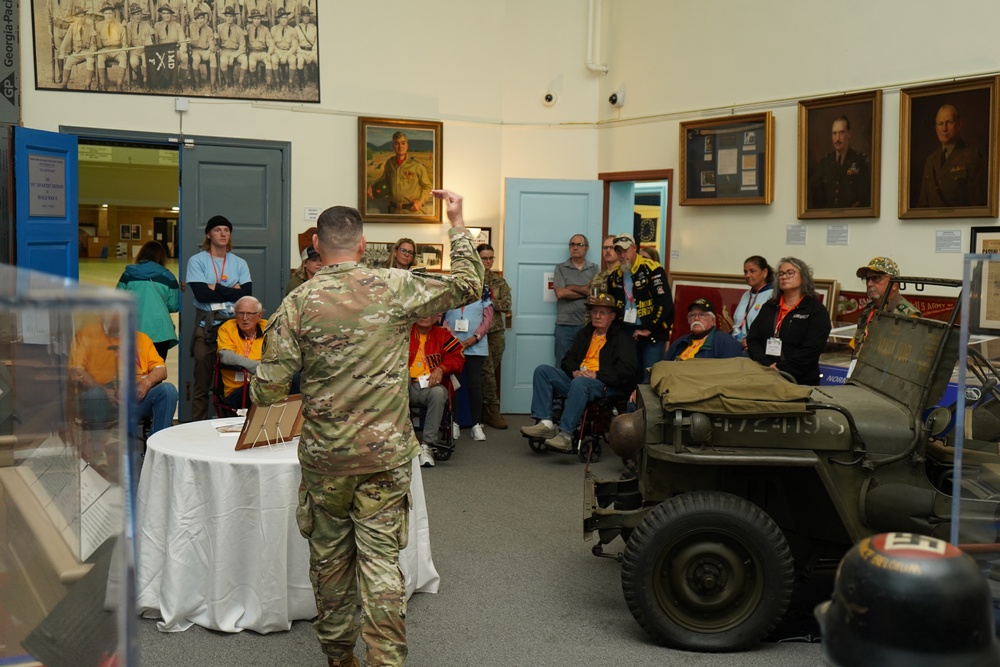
[598, 551]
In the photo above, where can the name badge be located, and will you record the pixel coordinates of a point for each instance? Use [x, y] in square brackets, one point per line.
[461, 326]
[631, 316]
[773, 348]
[424, 381]
[238, 376]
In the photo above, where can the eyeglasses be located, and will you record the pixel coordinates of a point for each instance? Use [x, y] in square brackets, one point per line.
[607, 247]
[787, 274]
[404, 251]
[577, 245]
[247, 316]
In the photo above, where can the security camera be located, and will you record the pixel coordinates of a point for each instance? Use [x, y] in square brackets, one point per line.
[617, 99]
[549, 99]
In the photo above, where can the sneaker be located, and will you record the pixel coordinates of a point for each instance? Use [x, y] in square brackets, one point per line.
[539, 430]
[477, 433]
[561, 441]
[455, 431]
[426, 457]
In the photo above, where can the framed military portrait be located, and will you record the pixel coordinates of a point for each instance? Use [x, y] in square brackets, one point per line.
[178, 48]
[947, 150]
[399, 163]
[840, 156]
[727, 160]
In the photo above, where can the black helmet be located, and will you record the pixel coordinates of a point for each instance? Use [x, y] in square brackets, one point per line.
[907, 599]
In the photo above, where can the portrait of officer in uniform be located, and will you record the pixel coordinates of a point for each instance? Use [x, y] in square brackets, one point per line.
[400, 163]
[843, 177]
[954, 173]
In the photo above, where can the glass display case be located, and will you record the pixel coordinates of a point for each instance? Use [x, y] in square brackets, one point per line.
[67, 472]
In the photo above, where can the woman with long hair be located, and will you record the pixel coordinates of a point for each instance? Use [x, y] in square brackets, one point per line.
[157, 293]
[792, 327]
[403, 254]
[758, 274]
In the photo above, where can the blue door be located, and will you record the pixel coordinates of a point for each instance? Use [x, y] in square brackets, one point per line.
[541, 217]
[46, 226]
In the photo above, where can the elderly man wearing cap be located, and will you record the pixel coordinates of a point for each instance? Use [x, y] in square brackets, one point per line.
[311, 263]
[876, 276]
[602, 358]
[704, 341]
[217, 279]
[639, 286]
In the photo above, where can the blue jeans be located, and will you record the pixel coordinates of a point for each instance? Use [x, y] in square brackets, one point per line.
[565, 335]
[549, 382]
[160, 402]
[647, 354]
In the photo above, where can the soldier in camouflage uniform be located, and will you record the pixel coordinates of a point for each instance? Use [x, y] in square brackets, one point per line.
[495, 338]
[346, 331]
[876, 276]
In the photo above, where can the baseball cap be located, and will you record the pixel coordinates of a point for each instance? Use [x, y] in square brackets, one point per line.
[309, 252]
[879, 265]
[602, 300]
[624, 241]
[703, 304]
[216, 221]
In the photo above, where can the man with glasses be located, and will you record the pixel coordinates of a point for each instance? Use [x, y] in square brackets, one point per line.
[240, 343]
[704, 341]
[600, 362]
[876, 276]
[609, 262]
[639, 286]
[572, 286]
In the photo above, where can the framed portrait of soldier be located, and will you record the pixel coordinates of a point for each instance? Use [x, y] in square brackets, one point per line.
[840, 154]
[399, 163]
[178, 48]
[947, 150]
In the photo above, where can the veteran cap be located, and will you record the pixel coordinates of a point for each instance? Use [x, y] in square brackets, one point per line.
[602, 300]
[879, 265]
[624, 241]
[309, 252]
[701, 304]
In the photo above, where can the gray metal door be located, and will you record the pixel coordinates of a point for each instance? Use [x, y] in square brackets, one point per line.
[248, 185]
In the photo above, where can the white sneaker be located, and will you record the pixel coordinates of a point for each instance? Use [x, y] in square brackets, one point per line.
[426, 457]
[477, 433]
[455, 431]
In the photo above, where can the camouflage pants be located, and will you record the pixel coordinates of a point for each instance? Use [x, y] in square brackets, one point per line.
[356, 526]
[497, 344]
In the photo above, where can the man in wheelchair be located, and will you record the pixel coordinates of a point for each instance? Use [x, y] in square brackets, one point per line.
[434, 355]
[240, 342]
[601, 362]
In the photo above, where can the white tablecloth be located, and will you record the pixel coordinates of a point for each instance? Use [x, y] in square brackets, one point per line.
[218, 543]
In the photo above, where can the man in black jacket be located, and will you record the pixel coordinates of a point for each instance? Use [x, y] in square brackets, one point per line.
[602, 357]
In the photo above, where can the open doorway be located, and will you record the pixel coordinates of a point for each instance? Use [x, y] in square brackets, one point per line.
[639, 203]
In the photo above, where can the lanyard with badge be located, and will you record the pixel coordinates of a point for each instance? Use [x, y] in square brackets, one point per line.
[773, 348]
[631, 312]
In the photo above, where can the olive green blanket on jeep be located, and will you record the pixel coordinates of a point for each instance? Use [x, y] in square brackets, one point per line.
[723, 386]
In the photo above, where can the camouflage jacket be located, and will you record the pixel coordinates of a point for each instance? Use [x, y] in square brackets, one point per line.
[347, 329]
[501, 300]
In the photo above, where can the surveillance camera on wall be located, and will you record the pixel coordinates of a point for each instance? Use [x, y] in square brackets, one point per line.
[549, 99]
[617, 99]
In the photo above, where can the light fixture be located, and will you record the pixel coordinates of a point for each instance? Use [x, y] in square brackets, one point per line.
[104, 205]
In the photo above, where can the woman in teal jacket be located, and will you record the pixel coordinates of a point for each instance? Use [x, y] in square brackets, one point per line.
[157, 292]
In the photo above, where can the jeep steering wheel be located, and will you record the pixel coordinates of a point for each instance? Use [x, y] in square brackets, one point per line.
[985, 372]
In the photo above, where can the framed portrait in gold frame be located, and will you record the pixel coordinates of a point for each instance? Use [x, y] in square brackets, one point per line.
[399, 163]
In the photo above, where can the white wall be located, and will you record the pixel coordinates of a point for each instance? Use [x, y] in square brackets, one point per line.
[687, 60]
[482, 68]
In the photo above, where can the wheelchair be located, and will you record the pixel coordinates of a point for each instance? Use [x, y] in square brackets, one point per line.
[222, 408]
[593, 429]
[445, 446]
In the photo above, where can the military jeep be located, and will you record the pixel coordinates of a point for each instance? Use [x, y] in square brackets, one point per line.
[732, 504]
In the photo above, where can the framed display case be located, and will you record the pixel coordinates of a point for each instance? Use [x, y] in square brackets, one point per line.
[727, 160]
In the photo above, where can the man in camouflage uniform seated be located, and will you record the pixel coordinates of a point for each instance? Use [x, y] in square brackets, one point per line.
[345, 330]
[876, 276]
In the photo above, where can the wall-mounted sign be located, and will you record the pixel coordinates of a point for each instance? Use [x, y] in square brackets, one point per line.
[46, 186]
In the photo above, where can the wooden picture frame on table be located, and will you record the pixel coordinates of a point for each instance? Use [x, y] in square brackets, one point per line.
[724, 292]
[728, 160]
[381, 143]
[947, 150]
[840, 156]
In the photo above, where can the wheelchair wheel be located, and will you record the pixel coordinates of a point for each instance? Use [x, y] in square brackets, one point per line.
[537, 445]
[442, 452]
[590, 447]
